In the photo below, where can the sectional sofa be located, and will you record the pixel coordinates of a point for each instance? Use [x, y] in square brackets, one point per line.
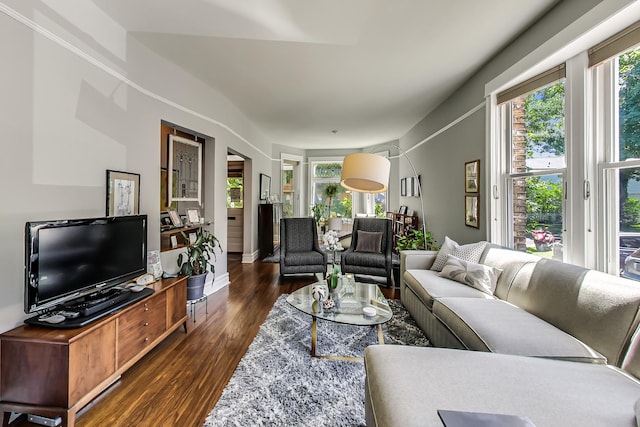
[513, 334]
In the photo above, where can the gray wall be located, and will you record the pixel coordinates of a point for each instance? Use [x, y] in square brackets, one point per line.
[65, 120]
[440, 161]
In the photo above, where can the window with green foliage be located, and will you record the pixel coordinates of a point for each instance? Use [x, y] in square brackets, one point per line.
[235, 192]
[537, 146]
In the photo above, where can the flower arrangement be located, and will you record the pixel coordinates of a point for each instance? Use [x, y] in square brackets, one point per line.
[330, 240]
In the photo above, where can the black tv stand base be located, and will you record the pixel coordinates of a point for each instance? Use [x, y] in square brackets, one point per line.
[80, 321]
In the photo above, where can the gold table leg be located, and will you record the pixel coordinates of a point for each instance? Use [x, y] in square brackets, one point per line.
[314, 343]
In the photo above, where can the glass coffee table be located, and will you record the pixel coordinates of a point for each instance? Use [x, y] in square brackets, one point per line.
[354, 297]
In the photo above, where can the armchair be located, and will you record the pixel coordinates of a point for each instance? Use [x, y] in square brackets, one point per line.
[370, 250]
[299, 248]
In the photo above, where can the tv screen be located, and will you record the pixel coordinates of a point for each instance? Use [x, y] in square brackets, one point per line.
[67, 259]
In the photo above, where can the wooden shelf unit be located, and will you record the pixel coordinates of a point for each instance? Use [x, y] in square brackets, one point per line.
[400, 223]
[165, 237]
[56, 372]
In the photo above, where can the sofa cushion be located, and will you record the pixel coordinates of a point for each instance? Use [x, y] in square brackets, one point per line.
[405, 386]
[497, 326]
[478, 276]
[471, 252]
[427, 286]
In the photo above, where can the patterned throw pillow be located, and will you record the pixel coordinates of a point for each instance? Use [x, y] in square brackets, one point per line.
[478, 276]
[471, 252]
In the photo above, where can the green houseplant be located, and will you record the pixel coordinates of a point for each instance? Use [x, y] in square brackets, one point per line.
[415, 239]
[196, 261]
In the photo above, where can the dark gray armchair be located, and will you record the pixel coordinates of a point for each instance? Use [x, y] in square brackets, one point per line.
[370, 250]
[299, 248]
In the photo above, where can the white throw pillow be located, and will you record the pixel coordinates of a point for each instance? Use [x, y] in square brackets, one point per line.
[471, 252]
[479, 276]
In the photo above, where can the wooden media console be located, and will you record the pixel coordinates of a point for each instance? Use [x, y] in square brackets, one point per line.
[56, 372]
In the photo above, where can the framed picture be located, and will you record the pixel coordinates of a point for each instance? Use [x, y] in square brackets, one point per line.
[471, 211]
[472, 176]
[265, 186]
[193, 216]
[414, 188]
[402, 210]
[123, 193]
[185, 157]
[175, 218]
[403, 187]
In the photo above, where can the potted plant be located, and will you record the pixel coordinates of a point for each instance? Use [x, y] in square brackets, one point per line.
[196, 261]
[415, 239]
[330, 192]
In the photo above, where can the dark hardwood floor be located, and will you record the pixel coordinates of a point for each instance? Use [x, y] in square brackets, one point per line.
[180, 381]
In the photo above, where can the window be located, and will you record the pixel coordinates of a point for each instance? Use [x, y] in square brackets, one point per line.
[620, 165]
[582, 183]
[534, 141]
[324, 175]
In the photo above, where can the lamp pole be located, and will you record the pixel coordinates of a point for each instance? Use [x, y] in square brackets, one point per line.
[417, 179]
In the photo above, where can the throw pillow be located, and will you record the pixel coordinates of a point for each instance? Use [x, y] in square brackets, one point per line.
[478, 276]
[471, 252]
[369, 241]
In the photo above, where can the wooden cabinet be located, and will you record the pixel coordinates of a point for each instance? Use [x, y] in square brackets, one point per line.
[140, 326]
[55, 372]
[401, 223]
[269, 215]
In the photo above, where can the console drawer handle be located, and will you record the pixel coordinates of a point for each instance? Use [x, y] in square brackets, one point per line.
[146, 339]
[146, 323]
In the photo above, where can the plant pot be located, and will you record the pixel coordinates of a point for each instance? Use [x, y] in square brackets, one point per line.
[195, 286]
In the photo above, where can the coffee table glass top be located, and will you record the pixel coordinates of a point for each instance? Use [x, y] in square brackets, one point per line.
[354, 296]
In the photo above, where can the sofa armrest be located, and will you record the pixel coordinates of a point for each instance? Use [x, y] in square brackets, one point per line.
[416, 259]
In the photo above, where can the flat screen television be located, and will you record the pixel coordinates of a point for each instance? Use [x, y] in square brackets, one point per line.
[67, 259]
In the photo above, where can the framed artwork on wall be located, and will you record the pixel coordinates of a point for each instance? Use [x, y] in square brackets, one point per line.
[123, 193]
[472, 176]
[185, 157]
[403, 187]
[265, 186]
[471, 211]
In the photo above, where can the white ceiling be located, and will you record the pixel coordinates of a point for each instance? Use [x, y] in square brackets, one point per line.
[370, 69]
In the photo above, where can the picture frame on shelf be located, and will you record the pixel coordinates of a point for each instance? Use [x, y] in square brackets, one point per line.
[175, 218]
[472, 210]
[402, 210]
[193, 216]
[472, 176]
[265, 186]
[123, 193]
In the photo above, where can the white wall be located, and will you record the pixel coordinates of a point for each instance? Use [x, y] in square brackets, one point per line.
[75, 104]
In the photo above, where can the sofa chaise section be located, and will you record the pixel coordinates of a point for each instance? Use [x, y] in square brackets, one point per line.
[405, 386]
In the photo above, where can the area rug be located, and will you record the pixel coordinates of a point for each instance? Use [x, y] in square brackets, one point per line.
[277, 382]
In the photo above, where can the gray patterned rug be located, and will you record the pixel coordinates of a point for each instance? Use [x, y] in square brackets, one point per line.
[277, 382]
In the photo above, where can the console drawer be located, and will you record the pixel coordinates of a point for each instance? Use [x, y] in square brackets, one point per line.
[140, 326]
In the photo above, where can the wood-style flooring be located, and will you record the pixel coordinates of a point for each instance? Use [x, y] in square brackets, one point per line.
[179, 382]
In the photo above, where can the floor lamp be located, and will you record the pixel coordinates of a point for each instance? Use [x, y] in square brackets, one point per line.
[369, 173]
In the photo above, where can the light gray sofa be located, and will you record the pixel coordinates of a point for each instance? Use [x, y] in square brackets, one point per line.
[554, 342]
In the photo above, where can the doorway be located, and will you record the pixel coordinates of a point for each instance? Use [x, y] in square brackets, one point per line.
[235, 203]
[291, 186]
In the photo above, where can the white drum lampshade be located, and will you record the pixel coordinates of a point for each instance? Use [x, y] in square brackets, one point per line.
[365, 172]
